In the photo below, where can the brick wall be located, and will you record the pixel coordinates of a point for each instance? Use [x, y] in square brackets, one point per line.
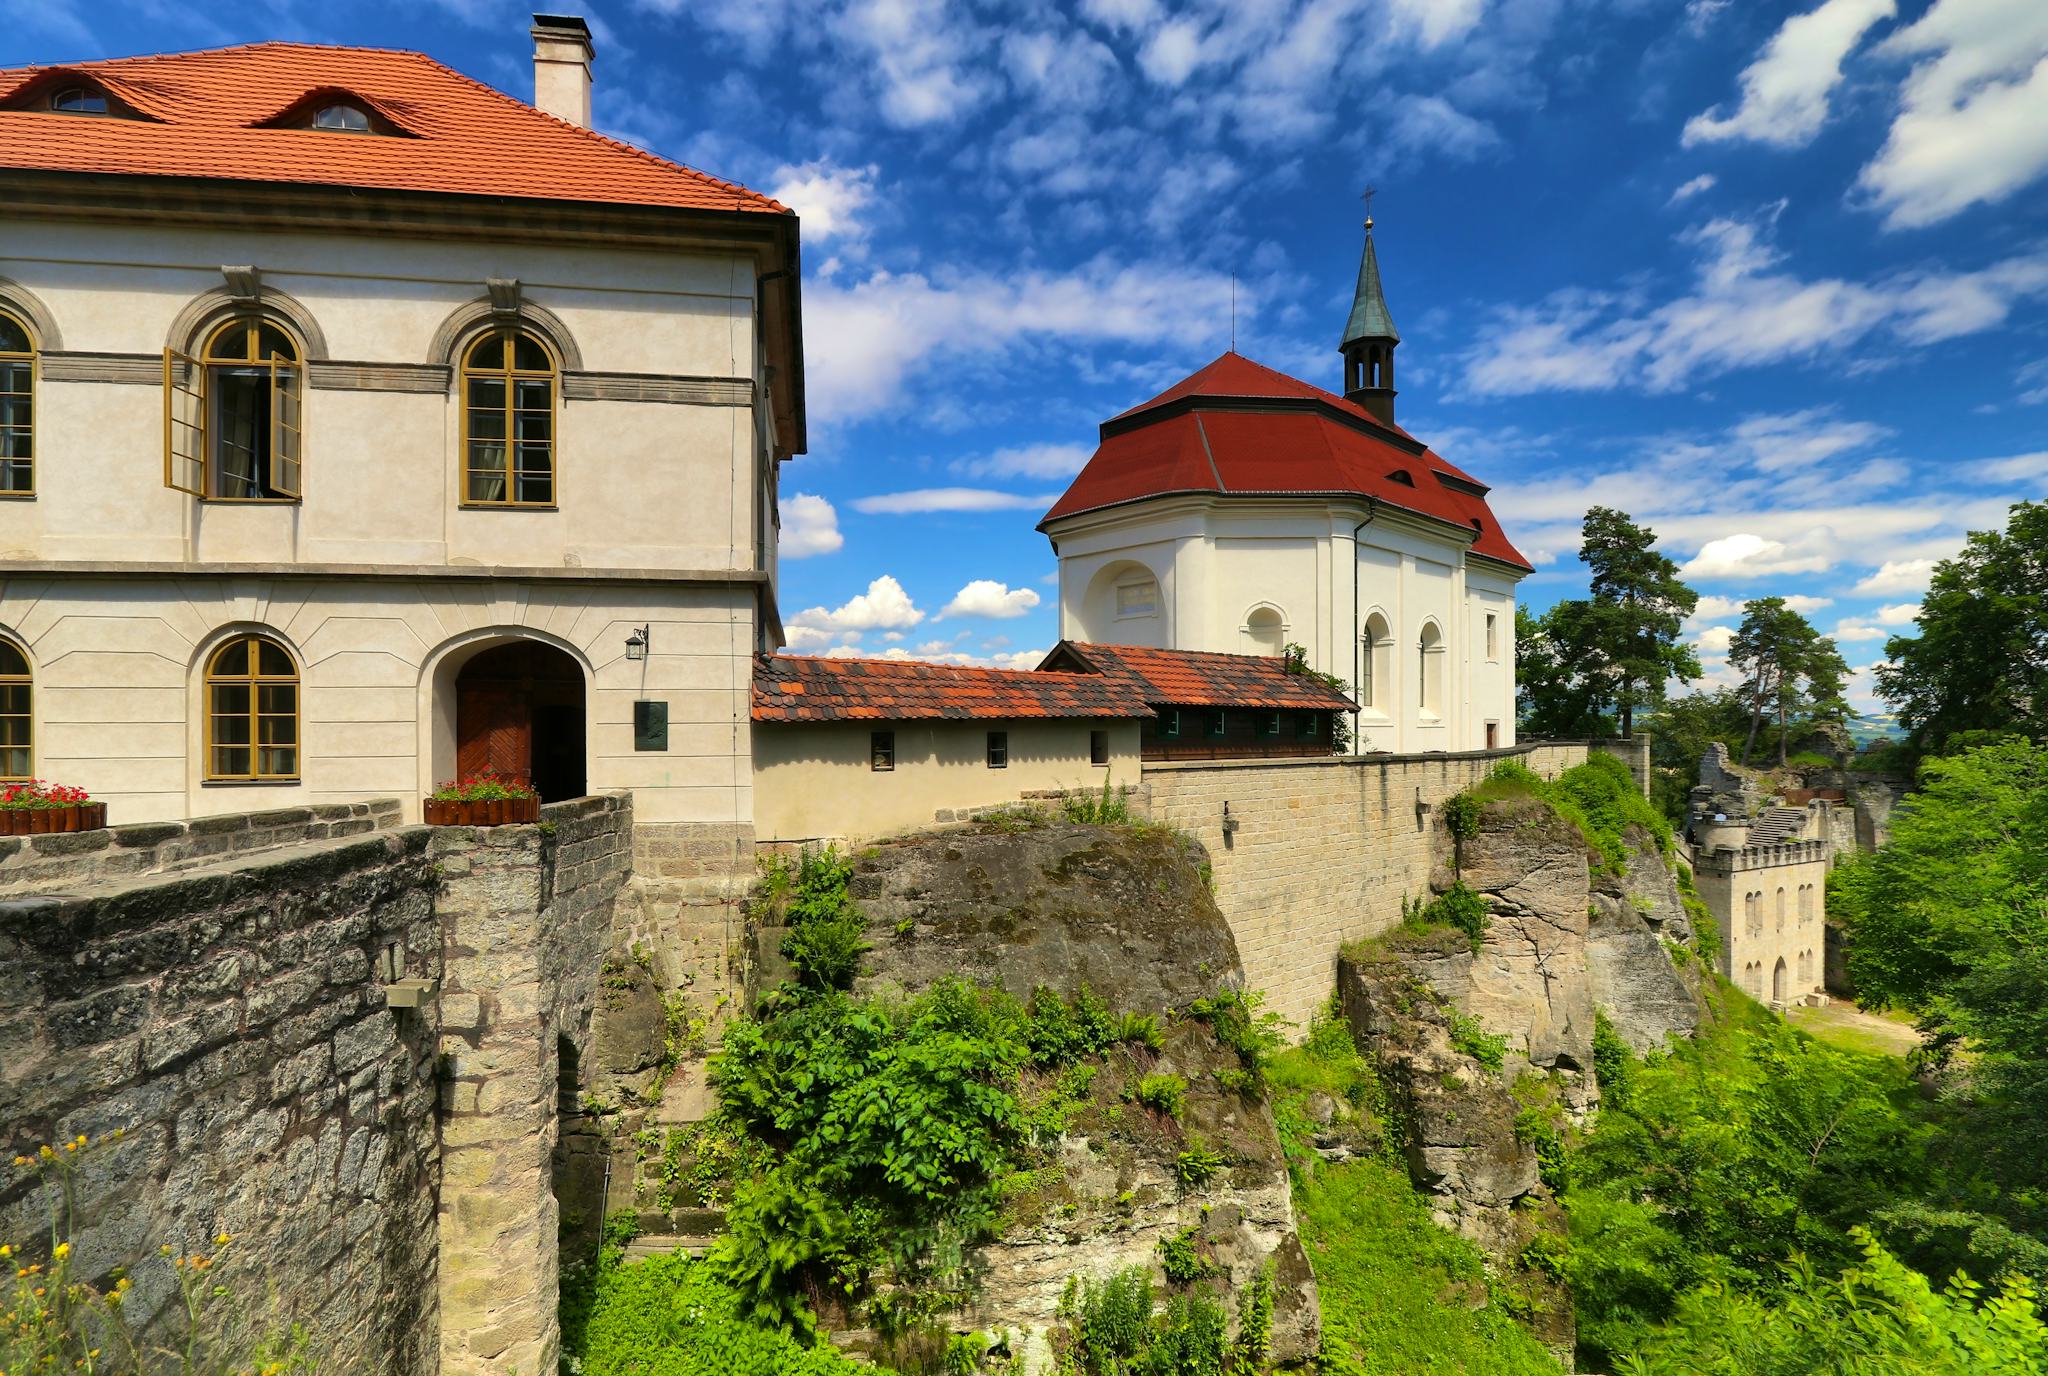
[526, 913]
[39, 864]
[232, 1022]
[1323, 850]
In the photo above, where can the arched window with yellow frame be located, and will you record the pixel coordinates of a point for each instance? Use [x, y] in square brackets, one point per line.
[234, 416]
[17, 406]
[252, 711]
[508, 420]
[17, 714]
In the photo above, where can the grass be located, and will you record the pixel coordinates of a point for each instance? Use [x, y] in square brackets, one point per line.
[1401, 1296]
[1848, 1027]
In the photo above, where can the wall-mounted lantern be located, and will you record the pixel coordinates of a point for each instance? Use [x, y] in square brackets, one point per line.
[1229, 822]
[637, 643]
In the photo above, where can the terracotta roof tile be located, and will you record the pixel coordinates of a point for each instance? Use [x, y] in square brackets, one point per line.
[202, 111]
[805, 688]
[1199, 678]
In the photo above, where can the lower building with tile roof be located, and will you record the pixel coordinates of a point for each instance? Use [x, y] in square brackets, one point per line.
[1242, 510]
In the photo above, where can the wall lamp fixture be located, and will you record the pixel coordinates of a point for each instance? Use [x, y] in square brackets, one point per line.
[637, 643]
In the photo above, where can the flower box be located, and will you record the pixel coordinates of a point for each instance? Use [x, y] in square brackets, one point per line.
[482, 812]
[39, 821]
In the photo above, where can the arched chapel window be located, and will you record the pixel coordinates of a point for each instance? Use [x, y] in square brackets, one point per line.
[17, 406]
[234, 422]
[1376, 646]
[1431, 670]
[252, 711]
[508, 420]
[17, 714]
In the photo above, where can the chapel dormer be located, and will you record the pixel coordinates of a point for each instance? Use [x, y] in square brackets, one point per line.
[1369, 340]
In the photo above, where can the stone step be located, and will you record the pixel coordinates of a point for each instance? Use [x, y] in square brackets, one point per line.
[663, 1244]
[684, 1222]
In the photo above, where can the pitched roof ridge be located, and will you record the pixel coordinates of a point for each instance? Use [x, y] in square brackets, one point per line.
[607, 139]
[911, 663]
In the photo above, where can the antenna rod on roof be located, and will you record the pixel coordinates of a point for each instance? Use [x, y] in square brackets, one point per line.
[1233, 312]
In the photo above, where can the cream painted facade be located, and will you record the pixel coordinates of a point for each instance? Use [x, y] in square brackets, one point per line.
[379, 580]
[1251, 575]
[1771, 903]
[815, 781]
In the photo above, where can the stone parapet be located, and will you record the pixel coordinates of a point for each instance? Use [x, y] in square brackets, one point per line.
[1725, 860]
[231, 1022]
[64, 861]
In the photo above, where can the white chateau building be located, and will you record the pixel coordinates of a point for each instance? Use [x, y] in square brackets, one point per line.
[361, 425]
[1242, 510]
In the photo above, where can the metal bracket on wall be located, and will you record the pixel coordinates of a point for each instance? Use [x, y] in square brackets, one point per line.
[413, 992]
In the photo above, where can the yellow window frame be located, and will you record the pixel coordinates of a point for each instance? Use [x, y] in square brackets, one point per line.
[188, 455]
[509, 412]
[255, 680]
[26, 680]
[33, 357]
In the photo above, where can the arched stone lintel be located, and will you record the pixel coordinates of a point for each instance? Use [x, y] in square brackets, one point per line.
[22, 302]
[208, 309]
[465, 321]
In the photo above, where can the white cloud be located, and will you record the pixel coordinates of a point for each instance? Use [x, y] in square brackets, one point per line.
[921, 500]
[1898, 575]
[884, 606]
[1431, 125]
[2033, 382]
[1699, 185]
[920, 56]
[1856, 628]
[1785, 91]
[1970, 127]
[986, 597]
[809, 526]
[1742, 312]
[1713, 607]
[1027, 461]
[1806, 606]
[1750, 556]
[1898, 614]
[1173, 52]
[829, 198]
[1716, 639]
[863, 340]
[2018, 468]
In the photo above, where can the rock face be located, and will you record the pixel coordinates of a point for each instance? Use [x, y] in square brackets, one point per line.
[1634, 919]
[1128, 914]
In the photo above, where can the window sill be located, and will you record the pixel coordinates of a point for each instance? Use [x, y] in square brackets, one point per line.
[17, 496]
[252, 501]
[507, 506]
[292, 782]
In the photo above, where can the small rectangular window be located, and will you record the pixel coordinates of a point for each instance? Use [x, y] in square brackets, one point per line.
[1218, 723]
[1169, 721]
[1137, 599]
[1491, 651]
[998, 750]
[882, 751]
[1269, 724]
[1493, 735]
[1098, 747]
[1311, 725]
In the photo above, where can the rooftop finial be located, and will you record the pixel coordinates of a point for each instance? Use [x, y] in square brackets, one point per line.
[1370, 192]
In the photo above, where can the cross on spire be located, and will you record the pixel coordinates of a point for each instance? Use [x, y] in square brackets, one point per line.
[1366, 196]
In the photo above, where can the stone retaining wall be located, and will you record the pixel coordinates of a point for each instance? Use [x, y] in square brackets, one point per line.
[1323, 850]
[68, 860]
[527, 914]
[232, 1022]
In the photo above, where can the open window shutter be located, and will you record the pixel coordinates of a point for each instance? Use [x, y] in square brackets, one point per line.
[184, 423]
[287, 401]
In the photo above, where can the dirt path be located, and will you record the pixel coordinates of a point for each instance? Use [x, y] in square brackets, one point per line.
[1845, 1025]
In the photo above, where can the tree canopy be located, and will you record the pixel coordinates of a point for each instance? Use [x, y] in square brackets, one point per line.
[1789, 669]
[1980, 659]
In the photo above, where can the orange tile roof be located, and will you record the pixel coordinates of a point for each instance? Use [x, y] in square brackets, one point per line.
[202, 113]
[798, 688]
[1200, 678]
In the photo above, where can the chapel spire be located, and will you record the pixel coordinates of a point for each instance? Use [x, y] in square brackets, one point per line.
[1370, 337]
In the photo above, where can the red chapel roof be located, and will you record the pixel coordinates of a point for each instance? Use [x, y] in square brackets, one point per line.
[203, 114]
[1198, 678]
[1240, 428]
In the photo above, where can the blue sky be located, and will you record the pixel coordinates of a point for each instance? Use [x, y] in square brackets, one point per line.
[1772, 278]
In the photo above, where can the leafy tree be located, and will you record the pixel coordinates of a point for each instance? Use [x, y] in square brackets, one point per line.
[1788, 668]
[1980, 660]
[1638, 608]
[1560, 688]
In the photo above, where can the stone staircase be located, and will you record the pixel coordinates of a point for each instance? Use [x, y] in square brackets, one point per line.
[1776, 825]
[692, 1232]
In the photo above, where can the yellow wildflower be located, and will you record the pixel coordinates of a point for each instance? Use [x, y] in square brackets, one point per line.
[63, 1250]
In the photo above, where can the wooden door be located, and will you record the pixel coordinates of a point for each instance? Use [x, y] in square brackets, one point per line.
[493, 731]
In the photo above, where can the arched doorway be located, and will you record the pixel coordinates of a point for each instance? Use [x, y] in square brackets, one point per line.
[519, 713]
[1778, 982]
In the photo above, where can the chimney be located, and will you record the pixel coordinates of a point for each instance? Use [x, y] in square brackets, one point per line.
[561, 67]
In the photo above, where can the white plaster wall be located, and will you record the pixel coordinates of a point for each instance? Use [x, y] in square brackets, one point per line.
[639, 484]
[118, 667]
[814, 780]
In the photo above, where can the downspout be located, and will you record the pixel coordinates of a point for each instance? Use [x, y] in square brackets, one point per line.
[1372, 509]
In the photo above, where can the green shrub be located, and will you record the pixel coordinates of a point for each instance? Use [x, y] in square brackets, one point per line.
[1614, 1064]
[1112, 807]
[1538, 1127]
[1167, 1094]
[1140, 1029]
[1108, 1328]
[1060, 1031]
[1234, 1019]
[1198, 1165]
[1461, 814]
[827, 933]
[826, 952]
[1461, 908]
[1470, 1036]
[1181, 1258]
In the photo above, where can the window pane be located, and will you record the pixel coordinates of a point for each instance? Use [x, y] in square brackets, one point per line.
[14, 731]
[487, 394]
[529, 356]
[16, 475]
[539, 490]
[487, 487]
[14, 763]
[278, 762]
[534, 459]
[489, 352]
[230, 762]
[535, 426]
[277, 730]
[232, 659]
[14, 375]
[278, 697]
[231, 730]
[487, 455]
[271, 340]
[534, 394]
[272, 659]
[12, 661]
[14, 699]
[13, 335]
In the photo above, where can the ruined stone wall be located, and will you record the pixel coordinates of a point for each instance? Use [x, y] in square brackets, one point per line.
[526, 913]
[1771, 902]
[67, 860]
[231, 1021]
[1321, 850]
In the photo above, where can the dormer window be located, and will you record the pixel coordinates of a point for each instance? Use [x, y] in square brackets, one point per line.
[79, 100]
[346, 119]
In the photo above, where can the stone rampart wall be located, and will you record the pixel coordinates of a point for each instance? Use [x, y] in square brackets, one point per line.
[1322, 850]
[66, 861]
[232, 1023]
[527, 913]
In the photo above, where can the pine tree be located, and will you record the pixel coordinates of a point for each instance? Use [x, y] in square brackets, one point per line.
[1788, 667]
[1638, 609]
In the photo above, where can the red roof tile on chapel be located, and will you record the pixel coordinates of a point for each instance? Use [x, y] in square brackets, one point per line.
[797, 688]
[1239, 428]
[1199, 678]
[203, 115]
